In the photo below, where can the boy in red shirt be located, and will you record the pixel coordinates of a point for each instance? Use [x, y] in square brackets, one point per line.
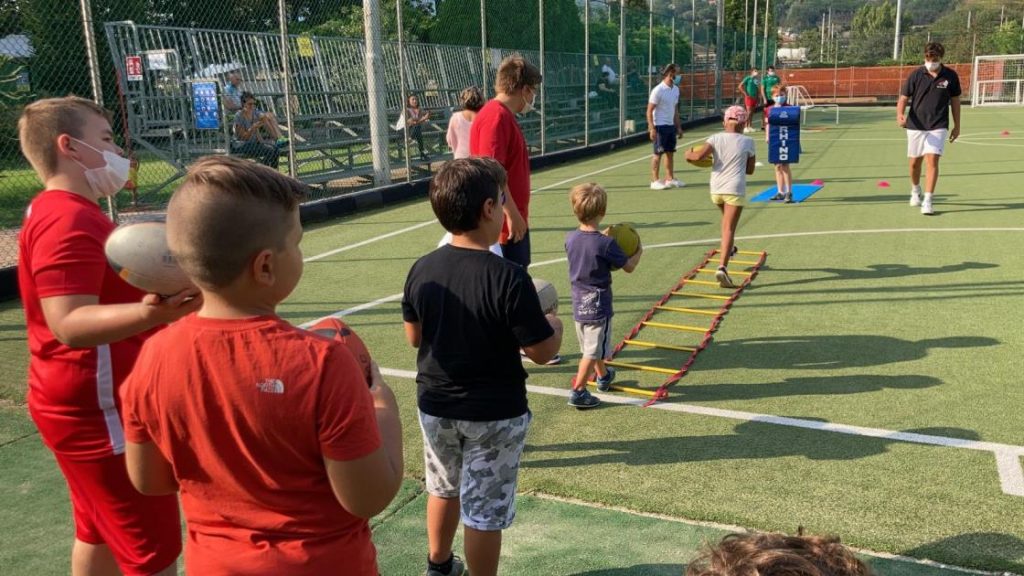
[279, 448]
[85, 327]
[496, 134]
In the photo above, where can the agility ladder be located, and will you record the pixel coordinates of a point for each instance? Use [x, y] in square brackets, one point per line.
[690, 278]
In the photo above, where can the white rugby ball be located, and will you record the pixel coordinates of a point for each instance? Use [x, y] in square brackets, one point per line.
[139, 254]
[547, 294]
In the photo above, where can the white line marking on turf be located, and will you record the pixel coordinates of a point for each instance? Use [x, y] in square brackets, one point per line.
[428, 222]
[1011, 477]
[368, 241]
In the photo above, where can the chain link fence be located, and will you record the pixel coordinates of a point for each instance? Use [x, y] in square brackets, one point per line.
[336, 78]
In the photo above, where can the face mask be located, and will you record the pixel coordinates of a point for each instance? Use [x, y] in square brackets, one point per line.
[678, 79]
[931, 66]
[529, 104]
[771, 73]
[108, 179]
[754, 74]
[780, 100]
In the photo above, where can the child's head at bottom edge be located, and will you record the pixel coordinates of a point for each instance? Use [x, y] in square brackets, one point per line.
[589, 203]
[765, 554]
[233, 227]
[467, 195]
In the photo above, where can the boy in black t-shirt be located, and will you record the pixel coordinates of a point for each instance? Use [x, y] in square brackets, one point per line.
[469, 312]
[932, 91]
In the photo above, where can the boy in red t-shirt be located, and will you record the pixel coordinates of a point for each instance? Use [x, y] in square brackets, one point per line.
[496, 134]
[279, 448]
[85, 326]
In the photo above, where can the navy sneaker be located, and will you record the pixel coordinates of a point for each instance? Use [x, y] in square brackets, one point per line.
[458, 568]
[605, 384]
[583, 399]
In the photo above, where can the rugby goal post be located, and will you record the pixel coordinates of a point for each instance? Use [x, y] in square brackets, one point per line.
[998, 80]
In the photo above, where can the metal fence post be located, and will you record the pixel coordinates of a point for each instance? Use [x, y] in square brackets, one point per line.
[719, 57]
[282, 13]
[543, 73]
[586, 73]
[622, 64]
[94, 77]
[483, 45]
[405, 96]
[650, 43]
[374, 67]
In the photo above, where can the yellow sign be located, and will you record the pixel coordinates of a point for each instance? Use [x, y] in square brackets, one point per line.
[305, 46]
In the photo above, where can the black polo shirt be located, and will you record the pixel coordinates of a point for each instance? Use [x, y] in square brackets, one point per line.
[930, 97]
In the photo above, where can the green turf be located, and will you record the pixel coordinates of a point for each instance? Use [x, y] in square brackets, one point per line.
[912, 327]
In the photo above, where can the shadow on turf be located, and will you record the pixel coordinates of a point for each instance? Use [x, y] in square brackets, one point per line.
[873, 272]
[828, 352]
[990, 548]
[750, 441]
[825, 386]
[637, 570]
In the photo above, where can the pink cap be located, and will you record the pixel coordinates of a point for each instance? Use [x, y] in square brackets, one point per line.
[737, 113]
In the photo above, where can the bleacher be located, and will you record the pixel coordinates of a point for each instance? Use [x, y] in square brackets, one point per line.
[329, 100]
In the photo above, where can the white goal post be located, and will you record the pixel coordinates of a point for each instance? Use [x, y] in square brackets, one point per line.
[998, 80]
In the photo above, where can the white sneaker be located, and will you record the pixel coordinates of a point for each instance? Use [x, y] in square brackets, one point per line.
[926, 206]
[659, 185]
[748, 130]
[675, 183]
[722, 275]
[915, 196]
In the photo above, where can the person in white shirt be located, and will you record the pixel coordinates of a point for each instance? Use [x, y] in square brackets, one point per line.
[664, 126]
[613, 78]
[472, 100]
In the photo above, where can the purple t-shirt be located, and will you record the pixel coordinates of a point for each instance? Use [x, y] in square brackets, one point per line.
[591, 258]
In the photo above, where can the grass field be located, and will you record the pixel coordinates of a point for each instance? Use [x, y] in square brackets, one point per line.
[866, 384]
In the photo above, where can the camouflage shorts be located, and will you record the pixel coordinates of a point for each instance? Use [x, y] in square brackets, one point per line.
[477, 462]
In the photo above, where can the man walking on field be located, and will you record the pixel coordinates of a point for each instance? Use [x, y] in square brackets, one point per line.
[932, 90]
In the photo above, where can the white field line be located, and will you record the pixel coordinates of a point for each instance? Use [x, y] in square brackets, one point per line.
[1011, 477]
[428, 222]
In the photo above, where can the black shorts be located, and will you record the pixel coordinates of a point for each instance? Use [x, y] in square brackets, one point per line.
[664, 139]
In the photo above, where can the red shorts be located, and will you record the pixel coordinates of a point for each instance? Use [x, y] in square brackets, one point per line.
[142, 532]
[750, 102]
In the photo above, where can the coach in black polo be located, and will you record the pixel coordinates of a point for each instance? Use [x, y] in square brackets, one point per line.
[931, 91]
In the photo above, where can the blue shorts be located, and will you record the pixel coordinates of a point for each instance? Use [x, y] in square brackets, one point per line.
[664, 139]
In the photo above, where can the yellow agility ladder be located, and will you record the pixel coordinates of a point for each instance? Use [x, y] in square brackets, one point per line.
[666, 304]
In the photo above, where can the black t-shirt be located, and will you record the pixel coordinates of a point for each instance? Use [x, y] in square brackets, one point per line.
[476, 310]
[930, 97]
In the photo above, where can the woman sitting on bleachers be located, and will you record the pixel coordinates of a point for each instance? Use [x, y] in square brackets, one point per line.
[254, 133]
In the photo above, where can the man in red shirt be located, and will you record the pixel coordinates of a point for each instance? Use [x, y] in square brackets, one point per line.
[279, 449]
[496, 134]
[85, 327]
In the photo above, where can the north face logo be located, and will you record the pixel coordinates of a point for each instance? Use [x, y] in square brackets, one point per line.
[271, 386]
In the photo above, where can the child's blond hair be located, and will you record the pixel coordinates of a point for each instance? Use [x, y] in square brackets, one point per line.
[589, 201]
[44, 120]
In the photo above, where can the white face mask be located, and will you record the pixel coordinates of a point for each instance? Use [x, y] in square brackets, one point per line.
[529, 103]
[108, 179]
[931, 66]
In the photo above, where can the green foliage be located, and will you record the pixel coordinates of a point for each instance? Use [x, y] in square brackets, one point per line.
[345, 19]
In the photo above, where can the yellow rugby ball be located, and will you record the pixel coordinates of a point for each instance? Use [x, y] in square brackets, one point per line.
[705, 163]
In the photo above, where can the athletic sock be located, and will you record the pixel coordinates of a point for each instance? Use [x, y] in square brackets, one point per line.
[444, 567]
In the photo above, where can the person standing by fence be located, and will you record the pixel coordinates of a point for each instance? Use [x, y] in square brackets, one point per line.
[664, 127]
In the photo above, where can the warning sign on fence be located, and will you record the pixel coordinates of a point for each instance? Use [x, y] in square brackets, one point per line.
[305, 46]
[133, 67]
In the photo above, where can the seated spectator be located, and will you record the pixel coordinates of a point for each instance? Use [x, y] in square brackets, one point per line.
[249, 127]
[777, 555]
[415, 117]
[233, 104]
[605, 92]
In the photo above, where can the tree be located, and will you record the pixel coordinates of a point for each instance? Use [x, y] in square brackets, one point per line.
[513, 25]
[873, 29]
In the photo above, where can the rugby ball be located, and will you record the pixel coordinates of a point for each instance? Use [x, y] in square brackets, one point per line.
[140, 256]
[337, 330]
[626, 236]
[547, 294]
[706, 162]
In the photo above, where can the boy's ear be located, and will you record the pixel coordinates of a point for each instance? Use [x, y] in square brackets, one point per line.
[262, 268]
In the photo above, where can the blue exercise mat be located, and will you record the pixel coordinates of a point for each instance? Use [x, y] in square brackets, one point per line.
[801, 192]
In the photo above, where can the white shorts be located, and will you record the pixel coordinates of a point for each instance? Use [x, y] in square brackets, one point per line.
[921, 142]
[595, 339]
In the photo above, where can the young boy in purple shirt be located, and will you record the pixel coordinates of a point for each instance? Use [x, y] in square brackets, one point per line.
[592, 257]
